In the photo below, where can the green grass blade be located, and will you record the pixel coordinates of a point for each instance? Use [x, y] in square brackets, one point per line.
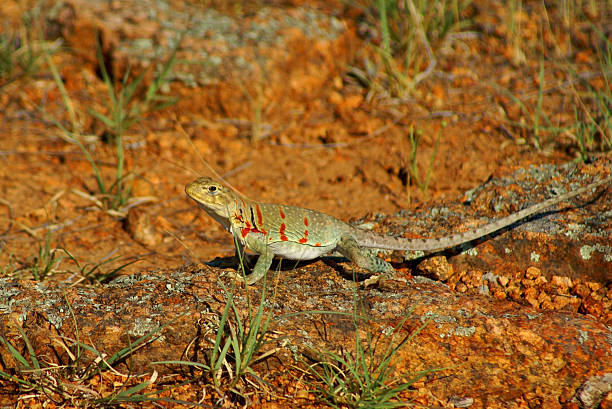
[60, 85]
[18, 380]
[16, 354]
[29, 347]
[188, 363]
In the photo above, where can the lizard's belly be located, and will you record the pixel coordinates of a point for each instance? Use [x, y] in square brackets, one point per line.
[298, 251]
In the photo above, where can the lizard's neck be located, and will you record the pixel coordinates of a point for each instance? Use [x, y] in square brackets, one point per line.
[221, 219]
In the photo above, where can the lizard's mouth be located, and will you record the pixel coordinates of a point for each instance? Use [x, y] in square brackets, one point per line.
[192, 190]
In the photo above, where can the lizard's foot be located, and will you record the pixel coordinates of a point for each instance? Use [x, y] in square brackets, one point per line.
[235, 277]
[250, 279]
[383, 281]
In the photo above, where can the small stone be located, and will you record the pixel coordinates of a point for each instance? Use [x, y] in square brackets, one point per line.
[527, 282]
[461, 402]
[437, 268]
[301, 394]
[547, 305]
[499, 295]
[531, 295]
[514, 292]
[563, 283]
[141, 227]
[543, 297]
[559, 301]
[581, 290]
[593, 286]
[532, 273]
[593, 391]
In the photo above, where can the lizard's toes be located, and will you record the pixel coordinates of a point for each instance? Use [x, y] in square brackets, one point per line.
[372, 281]
[384, 281]
[234, 276]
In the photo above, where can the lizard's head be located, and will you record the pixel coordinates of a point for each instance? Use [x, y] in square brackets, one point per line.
[212, 196]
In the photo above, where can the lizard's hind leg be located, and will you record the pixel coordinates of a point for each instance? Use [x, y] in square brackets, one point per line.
[348, 247]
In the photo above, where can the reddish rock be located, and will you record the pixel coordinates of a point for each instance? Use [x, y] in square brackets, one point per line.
[499, 353]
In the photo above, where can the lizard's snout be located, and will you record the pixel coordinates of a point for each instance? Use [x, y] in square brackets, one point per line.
[193, 190]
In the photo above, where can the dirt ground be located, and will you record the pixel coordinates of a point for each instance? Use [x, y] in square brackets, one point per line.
[282, 118]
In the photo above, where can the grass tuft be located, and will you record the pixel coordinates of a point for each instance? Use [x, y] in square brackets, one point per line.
[21, 49]
[45, 262]
[364, 378]
[66, 384]
[125, 109]
[237, 344]
[410, 32]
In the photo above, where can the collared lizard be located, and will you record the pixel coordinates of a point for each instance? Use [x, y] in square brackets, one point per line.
[296, 233]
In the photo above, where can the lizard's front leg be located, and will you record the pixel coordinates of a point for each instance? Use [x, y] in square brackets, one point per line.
[348, 247]
[264, 261]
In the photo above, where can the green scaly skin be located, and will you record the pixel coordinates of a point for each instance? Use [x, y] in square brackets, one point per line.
[296, 233]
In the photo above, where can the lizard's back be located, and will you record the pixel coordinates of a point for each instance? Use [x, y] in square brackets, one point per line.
[295, 232]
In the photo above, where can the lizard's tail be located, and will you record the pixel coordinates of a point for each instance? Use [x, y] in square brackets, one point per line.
[373, 240]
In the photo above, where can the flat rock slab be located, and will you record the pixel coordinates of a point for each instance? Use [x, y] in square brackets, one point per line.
[558, 259]
[571, 239]
[499, 353]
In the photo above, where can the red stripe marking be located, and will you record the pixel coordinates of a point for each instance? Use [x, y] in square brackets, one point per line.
[246, 230]
[282, 232]
[282, 215]
[317, 244]
[305, 221]
[249, 229]
[305, 238]
[259, 215]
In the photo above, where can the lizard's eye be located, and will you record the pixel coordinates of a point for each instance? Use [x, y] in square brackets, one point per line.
[212, 189]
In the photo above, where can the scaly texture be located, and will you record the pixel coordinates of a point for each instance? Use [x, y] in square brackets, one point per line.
[296, 233]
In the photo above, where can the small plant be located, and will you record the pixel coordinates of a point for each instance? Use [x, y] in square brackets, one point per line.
[363, 378]
[414, 138]
[237, 343]
[535, 122]
[592, 127]
[92, 272]
[67, 384]
[21, 50]
[125, 109]
[258, 129]
[410, 31]
[45, 262]
[514, 24]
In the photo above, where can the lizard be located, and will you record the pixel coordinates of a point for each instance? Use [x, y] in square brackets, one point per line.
[298, 233]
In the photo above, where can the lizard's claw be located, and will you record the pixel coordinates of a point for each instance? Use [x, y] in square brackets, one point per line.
[382, 280]
[234, 276]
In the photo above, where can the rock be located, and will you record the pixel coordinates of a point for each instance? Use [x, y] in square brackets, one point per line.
[564, 250]
[592, 392]
[501, 352]
[437, 267]
[140, 226]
